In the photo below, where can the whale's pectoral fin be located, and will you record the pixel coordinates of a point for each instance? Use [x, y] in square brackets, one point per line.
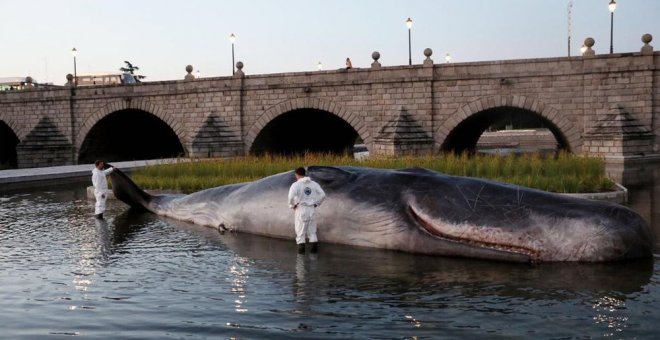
[127, 191]
[328, 175]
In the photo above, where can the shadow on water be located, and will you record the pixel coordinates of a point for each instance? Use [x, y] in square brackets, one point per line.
[126, 224]
[643, 183]
[113, 234]
[398, 273]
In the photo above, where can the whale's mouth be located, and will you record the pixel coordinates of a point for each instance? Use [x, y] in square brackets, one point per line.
[437, 231]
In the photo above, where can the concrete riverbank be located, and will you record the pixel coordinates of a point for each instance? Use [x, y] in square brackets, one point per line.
[35, 177]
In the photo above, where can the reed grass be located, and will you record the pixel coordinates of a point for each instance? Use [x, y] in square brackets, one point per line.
[565, 173]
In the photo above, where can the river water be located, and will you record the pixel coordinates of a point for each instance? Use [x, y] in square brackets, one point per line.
[139, 276]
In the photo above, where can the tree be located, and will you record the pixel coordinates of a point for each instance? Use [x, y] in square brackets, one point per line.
[130, 68]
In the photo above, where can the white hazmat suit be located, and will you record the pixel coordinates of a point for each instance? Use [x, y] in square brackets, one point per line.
[304, 196]
[100, 188]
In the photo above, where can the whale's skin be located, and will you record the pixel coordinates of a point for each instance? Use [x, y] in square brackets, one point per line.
[417, 210]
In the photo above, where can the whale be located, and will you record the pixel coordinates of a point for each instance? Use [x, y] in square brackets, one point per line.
[415, 210]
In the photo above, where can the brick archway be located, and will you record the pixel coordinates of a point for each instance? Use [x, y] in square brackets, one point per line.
[119, 105]
[569, 131]
[18, 131]
[307, 103]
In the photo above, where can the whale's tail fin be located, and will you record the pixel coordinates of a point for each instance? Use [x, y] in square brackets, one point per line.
[128, 192]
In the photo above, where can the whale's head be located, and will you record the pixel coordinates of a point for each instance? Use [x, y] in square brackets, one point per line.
[423, 211]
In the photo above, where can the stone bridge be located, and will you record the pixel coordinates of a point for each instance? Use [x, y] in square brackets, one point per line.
[605, 105]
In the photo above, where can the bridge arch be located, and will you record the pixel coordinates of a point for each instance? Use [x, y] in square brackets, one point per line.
[119, 105]
[17, 128]
[9, 140]
[127, 131]
[325, 112]
[462, 129]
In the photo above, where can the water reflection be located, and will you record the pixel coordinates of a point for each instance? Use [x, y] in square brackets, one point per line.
[239, 280]
[104, 239]
[96, 247]
[611, 314]
[344, 266]
[55, 257]
[124, 227]
[303, 283]
[643, 183]
[384, 281]
[299, 282]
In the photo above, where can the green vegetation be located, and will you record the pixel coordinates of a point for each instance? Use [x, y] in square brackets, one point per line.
[565, 173]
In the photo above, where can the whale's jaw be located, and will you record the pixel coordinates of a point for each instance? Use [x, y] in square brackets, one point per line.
[547, 239]
[524, 254]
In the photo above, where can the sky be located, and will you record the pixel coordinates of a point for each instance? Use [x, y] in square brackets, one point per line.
[273, 36]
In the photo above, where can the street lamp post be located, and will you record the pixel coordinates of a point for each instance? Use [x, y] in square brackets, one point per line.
[409, 23]
[74, 53]
[612, 6]
[232, 38]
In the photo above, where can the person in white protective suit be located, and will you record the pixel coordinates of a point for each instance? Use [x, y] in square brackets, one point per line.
[100, 187]
[305, 196]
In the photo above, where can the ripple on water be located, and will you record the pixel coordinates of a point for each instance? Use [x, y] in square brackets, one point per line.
[138, 276]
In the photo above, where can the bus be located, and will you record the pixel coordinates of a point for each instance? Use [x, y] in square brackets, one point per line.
[19, 83]
[107, 79]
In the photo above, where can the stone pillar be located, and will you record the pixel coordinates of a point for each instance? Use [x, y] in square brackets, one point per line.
[189, 76]
[618, 134]
[216, 139]
[428, 62]
[239, 75]
[239, 70]
[402, 135]
[647, 49]
[69, 80]
[588, 44]
[45, 145]
[375, 56]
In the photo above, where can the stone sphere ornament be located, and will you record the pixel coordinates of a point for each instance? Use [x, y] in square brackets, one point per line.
[647, 38]
[589, 42]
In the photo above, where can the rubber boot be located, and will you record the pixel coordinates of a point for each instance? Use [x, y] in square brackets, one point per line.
[301, 248]
[314, 247]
